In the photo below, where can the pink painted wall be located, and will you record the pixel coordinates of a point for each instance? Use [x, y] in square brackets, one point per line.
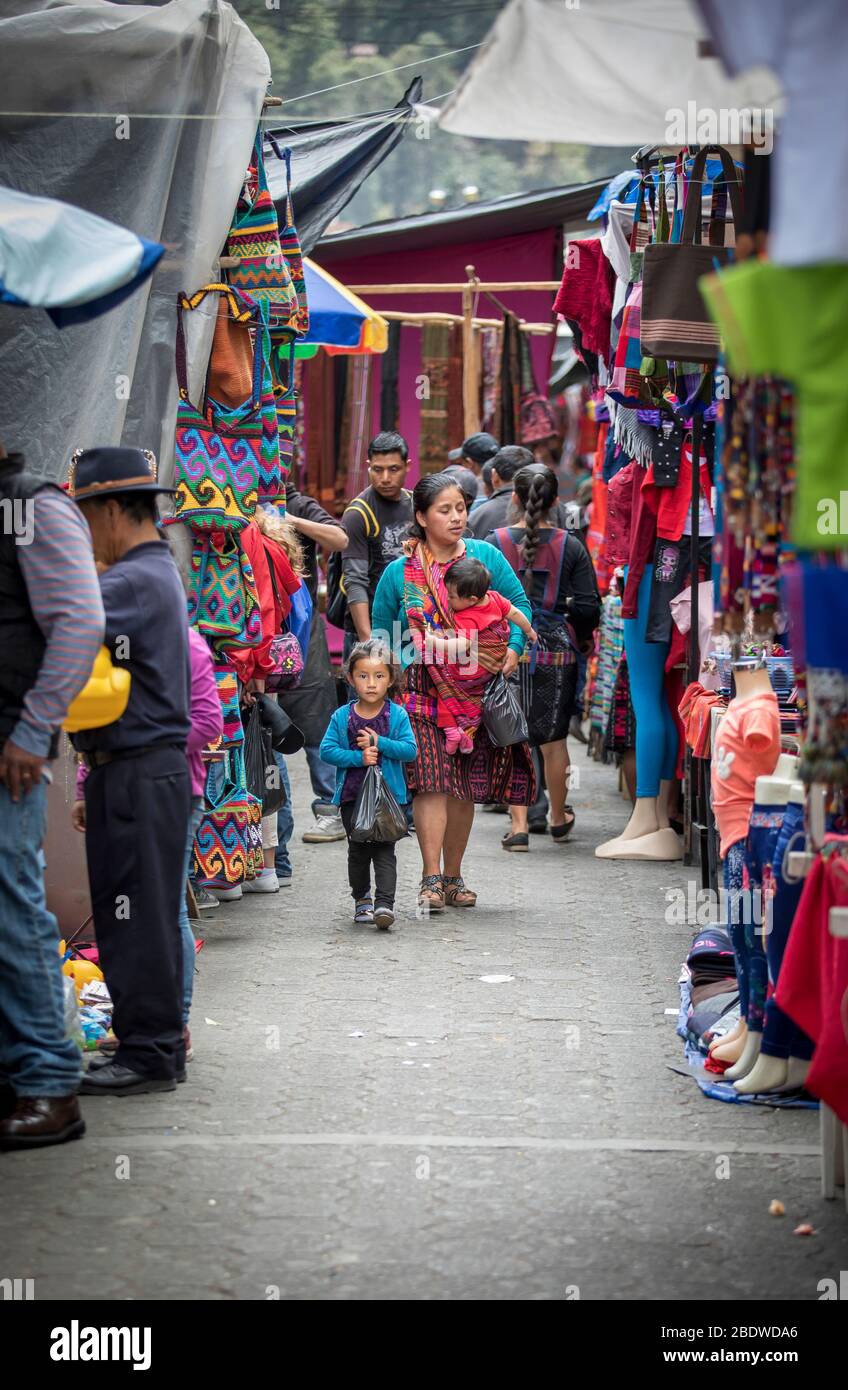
[530, 256]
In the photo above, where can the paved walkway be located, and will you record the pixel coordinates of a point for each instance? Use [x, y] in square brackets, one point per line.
[367, 1118]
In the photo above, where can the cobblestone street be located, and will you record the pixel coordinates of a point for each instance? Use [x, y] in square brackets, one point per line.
[367, 1118]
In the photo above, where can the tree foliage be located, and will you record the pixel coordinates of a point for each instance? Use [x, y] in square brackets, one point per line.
[316, 45]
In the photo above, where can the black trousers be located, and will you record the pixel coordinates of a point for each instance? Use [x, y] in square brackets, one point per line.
[359, 861]
[136, 814]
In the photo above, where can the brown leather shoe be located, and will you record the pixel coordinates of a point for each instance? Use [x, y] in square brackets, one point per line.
[41, 1120]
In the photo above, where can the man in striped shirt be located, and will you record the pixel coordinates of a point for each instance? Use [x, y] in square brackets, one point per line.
[51, 627]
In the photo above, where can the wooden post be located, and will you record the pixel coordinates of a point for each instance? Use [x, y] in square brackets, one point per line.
[470, 394]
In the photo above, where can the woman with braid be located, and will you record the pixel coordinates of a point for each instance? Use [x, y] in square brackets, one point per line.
[558, 577]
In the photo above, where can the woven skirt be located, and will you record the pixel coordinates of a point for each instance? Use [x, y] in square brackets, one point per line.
[489, 774]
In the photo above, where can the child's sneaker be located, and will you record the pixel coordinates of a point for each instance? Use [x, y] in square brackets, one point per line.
[383, 918]
[453, 739]
[364, 914]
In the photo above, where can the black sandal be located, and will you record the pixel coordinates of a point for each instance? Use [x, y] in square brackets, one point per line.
[560, 833]
[516, 844]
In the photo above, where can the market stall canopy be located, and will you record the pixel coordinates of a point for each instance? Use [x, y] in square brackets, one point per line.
[339, 320]
[599, 72]
[57, 257]
[145, 115]
[330, 159]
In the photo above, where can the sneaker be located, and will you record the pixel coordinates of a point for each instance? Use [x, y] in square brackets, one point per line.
[537, 827]
[227, 895]
[284, 880]
[205, 900]
[189, 1050]
[327, 827]
[364, 913]
[265, 882]
[383, 918]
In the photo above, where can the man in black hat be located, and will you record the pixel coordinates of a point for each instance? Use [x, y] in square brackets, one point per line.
[137, 793]
[472, 454]
[51, 628]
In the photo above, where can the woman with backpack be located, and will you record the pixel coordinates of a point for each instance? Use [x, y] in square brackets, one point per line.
[558, 578]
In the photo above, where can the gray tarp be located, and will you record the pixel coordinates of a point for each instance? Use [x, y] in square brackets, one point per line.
[146, 115]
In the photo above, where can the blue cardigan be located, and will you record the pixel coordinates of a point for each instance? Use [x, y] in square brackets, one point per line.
[397, 748]
[388, 610]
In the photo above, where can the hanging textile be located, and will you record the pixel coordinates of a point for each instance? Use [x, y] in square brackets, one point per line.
[435, 441]
[320, 416]
[352, 469]
[510, 421]
[389, 366]
[491, 385]
[456, 413]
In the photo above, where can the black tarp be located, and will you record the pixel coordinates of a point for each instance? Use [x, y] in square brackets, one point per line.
[331, 159]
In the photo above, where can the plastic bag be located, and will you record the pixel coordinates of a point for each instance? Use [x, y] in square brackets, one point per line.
[73, 1025]
[503, 718]
[263, 777]
[377, 818]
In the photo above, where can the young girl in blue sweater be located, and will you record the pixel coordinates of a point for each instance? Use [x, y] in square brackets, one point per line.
[370, 730]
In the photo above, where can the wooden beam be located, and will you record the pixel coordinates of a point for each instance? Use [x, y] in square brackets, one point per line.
[482, 287]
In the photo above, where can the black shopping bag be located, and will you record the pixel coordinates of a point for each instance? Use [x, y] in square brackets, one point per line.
[377, 817]
[503, 718]
[263, 776]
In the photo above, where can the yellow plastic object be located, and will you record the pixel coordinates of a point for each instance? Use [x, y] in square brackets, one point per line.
[103, 699]
[82, 972]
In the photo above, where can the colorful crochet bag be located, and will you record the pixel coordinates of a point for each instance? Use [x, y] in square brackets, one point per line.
[290, 246]
[218, 451]
[223, 603]
[254, 239]
[285, 397]
[224, 848]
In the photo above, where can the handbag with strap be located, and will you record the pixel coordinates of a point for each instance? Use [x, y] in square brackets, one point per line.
[675, 322]
[290, 247]
[217, 453]
[254, 239]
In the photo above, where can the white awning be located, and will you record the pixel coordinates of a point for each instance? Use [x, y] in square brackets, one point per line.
[601, 72]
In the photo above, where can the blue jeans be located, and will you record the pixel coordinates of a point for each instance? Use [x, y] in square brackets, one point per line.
[36, 1058]
[285, 824]
[186, 932]
[322, 777]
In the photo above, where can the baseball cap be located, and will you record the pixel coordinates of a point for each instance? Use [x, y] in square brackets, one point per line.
[479, 447]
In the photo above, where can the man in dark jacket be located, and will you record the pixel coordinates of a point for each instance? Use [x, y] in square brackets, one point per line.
[137, 793]
[492, 515]
[51, 628]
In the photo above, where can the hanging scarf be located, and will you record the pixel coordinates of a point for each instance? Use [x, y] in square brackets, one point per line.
[428, 610]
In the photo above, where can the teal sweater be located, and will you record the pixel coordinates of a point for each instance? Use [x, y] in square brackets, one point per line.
[388, 617]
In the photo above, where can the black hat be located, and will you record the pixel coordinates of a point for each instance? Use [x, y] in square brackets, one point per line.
[107, 471]
[466, 481]
[478, 447]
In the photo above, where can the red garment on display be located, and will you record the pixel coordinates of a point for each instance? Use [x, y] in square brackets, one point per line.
[619, 509]
[643, 536]
[694, 710]
[585, 295]
[255, 662]
[813, 984]
[671, 505]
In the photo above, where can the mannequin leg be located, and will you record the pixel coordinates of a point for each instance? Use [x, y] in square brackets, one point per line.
[781, 1038]
[656, 736]
[750, 1053]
